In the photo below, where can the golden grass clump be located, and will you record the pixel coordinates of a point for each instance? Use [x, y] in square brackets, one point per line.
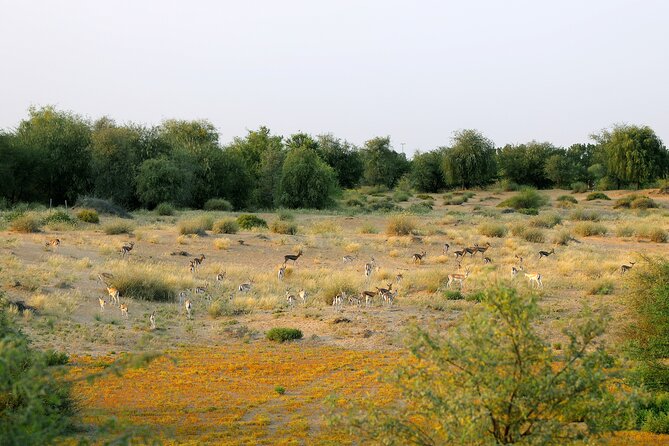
[400, 225]
[225, 226]
[283, 227]
[534, 235]
[26, 223]
[493, 230]
[325, 227]
[336, 284]
[148, 282]
[118, 226]
[589, 229]
[352, 248]
[198, 225]
[222, 243]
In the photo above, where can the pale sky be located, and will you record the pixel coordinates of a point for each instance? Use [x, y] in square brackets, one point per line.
[415, 70]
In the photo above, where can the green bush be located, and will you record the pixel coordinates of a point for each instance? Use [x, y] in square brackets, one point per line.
[589, 229]
[584, 215]
[493, 230]
[634, 201]
[198, 225]
[284, 334]
[118, 226]
[401, 195]
[508, 186]
[658, 235]
[88, 216]
[144, 284]
[652, 413]
[562, 237]
[165, 209]
[579, 187]
[525, 199]
[420, 208]
[102, 206]
[53, 357]
[425, 197]
[567, 198]
[283, 227]
[382, 205]
[597, 196]
[450, 200]
[225, 226]
[26, 223]
[534, 235]
[546, 221]
[453, 295]
[602, 288]
[400, 225]
[285, 215]
[625, 231]
[217, 204]
[250, 221]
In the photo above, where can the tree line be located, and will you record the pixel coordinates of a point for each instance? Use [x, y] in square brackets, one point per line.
[59, 155]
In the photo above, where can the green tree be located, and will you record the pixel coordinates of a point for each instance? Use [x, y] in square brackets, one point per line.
[162, 180]
[343, 158]
[232, 179]
[35, 404]
[382, 165]
[526, 163]
[114, 166]
[306, 181]
[559, 169]
[426, 171]
[470, 161]
[493, 380]
[255, 145]
[635, 154]
[298, 140]
[60, 141]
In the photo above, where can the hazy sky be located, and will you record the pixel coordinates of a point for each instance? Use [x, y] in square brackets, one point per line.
[417, 71]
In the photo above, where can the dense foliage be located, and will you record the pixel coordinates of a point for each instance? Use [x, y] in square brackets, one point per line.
[56, 155]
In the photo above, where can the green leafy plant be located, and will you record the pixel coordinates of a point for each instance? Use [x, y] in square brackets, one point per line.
[225, 226]
[88, 216]
[250, 221]
[279, 334]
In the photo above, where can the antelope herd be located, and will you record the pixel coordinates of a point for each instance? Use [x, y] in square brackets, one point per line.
[387, 294]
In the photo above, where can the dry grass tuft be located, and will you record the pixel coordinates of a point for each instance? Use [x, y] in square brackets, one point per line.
[198, 225]
[400, 225]
[222, 243]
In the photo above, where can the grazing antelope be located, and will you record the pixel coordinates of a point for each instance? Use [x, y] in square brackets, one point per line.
[292, 257]
[102, 303]
[152, 320]
[368, 296]
[348, 259]
[482, 249]
[125, 249]
[487, 260]
[189, 308]
[625, 268]
[535, 278]
[290, 298]
[114, 295]
[339, 299]
[124, 310]
[398, 278]
[282, 272]
[192, 267]
[220, 276]
[471, 251]
[354, 300]
[458, 278]
[446, 246]
[514, 270]
[390, 297]
[459, 254]
[53, 243]
[382, 291]
[303, 296]
[245, 287]
[197, 261]
[543, 254]
[519, 258]
[418, 258]
[368, 270]
[182, 297]
[200, 289]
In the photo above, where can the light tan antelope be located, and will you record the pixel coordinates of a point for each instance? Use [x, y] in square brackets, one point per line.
[290, 298]
[458, 278]
[152, 320]
[368, 296]
[338, 300]
[348, 259]
[303, 296]
[53, 243]
[102, 303]
[125, 249]
[625, 268]
[282, 272]
[124, 310]
[189, 309]
[418, 258]
[534, 278]
[114, 295]
[390, 297]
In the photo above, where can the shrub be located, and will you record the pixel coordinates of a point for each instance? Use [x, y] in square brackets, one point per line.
[400, 195]
[284, 334]
[643, 203]
[588, 229]
[225, 307]
[420, 208]
[250, 221]
[450, 200]
[567, 198]
[625, 231]
[368, 228]
[225, 226]
[562, 238]
[400, 225]
[198, 225]
[518, 229]
[283, 227]
[102, 206]
[602, 288]
[26, 223]
[658, 235]
[579, 187]
[165, 209]
[285, 215]
[53, 357]
[378, 205]
[453, 295]
[584, 215]
[222, 243]
[508, 186]
[597, 196]
[58, 216]
[534, 235]
[88, 216]
[217, 204]
[425, 197]
[145, 284]
[117, 226]
[525, 199]
[493, 230]
[546, 221]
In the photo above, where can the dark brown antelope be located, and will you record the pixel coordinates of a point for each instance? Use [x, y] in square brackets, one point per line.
[368, 296]
[459, 254]
[625, 268]
[471, 251]
[292, 257]
[482, 249]
[446, 246]
[418, 258]
[382, 291]
[125, 249]
[487, 260]
[543, 254]
[197, 261]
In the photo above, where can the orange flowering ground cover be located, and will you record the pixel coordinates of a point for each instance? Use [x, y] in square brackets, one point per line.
[227, 395]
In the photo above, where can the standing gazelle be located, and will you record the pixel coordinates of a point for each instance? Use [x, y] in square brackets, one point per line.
[535, 278]
[189, 309]
[114, 295]
[418, 258]
[458, 278]
[543, 254]
[53, 243]
[625, 268]
[125, 249]
[293, 257]
[282, 272]
[124, 310]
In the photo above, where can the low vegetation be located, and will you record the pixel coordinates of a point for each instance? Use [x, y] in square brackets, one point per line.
[589, 229]
[284, 334]
[197, 225]
[528, 199]
[250, 221]
[597, 196]
[165, 209]
[88, 216]
[217, 204]
[283, 227]
[118, 226]
[399, 225]
[225, 226]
